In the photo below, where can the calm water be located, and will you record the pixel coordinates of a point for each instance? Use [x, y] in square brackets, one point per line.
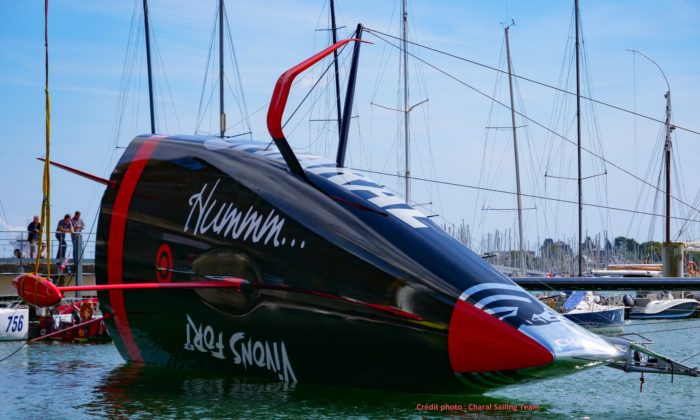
[74, 381]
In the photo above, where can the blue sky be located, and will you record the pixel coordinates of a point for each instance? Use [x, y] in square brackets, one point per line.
[88, 48]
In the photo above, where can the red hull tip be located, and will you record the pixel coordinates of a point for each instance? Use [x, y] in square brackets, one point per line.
[478, 342]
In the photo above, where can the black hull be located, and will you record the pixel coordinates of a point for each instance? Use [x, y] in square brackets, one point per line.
[346, 284]
[313, 344]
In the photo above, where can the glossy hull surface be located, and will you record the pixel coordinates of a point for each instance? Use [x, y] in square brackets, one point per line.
[346, 283]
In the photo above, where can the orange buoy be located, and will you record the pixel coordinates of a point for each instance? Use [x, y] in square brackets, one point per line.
[37, 290]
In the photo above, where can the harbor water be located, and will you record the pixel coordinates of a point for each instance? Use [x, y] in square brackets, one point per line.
[68, 381]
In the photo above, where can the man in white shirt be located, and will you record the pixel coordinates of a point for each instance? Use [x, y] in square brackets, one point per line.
[76, 237]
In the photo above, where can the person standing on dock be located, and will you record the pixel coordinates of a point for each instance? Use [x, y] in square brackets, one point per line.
[64, 226]
[33, 235]
[76, 237]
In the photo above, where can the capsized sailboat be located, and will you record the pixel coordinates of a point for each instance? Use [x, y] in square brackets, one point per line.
[245, 258]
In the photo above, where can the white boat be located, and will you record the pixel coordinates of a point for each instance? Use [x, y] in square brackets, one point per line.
[587, 310]
[664, 305]
[14, 322]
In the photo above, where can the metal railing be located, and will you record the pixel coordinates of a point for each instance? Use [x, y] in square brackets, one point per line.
[14, 245]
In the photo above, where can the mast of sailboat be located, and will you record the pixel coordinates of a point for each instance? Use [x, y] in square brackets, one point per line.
[578, 141]
[673, 253]
[222, 114]
[521, 253]
[334, 34]
[667, 148]
[406, 110]
[148, 66]
[349, 97]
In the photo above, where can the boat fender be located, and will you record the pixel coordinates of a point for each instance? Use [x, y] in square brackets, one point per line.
[86, 310]
[628, 300]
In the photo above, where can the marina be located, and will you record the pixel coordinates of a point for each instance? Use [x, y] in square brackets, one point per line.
[334, 254]
[94, 381]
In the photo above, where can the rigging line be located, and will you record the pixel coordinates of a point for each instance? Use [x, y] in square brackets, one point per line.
[234, 58]
[375, 32]
[672, 329]
[308, 93]
[46, 184]
[560, 200]
[691, 357]
[312, 88]
[530, 119]
[78, 259]
[680, 179]
[308, 111]
[643, 195]
[684, 226]
[640, 323]
[485, 169]
[14, 352]
[201, 112]
[120, 107]
[167, 81]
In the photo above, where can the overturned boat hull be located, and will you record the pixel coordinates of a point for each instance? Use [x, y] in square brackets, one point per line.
[341, 277]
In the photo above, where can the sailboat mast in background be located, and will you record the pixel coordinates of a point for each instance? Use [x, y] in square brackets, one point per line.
[667, 150]
[521, 252]
[222, 114]
[406, 110]
[673, 253]
[148, 65]
[334, 34]
[578, 142]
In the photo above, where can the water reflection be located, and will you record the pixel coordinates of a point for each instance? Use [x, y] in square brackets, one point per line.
[133, 391]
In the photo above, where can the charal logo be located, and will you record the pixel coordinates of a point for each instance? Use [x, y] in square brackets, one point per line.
[509, 303]
[244, 350]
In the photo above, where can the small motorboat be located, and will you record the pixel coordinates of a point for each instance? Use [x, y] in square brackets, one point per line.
[663, 305]
[592, 311]
[14, 321]
[65, 317]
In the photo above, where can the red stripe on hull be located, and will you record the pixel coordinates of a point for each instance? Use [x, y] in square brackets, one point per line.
[479, 342]
[115, 249]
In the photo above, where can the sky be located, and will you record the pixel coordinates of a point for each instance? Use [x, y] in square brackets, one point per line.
[99, 101]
